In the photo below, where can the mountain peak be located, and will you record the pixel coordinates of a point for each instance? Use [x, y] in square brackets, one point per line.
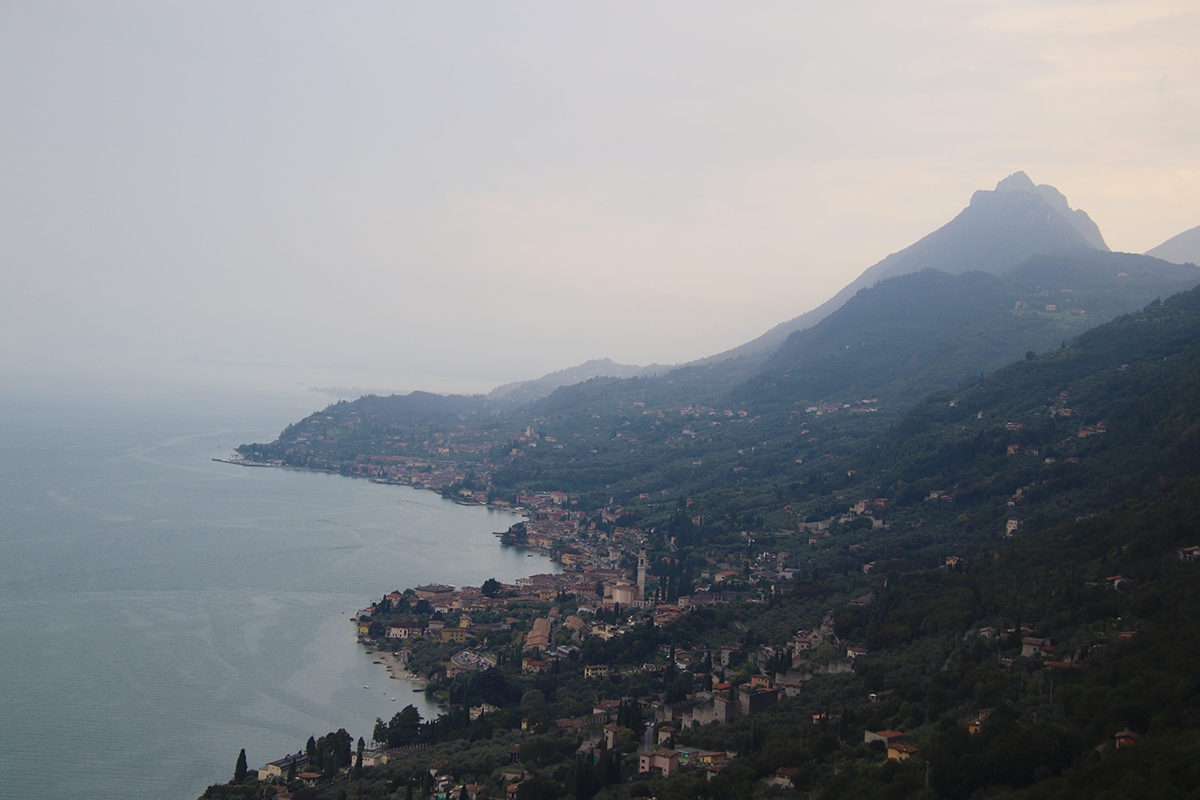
[1017, 182]
[1080, 221]
[996, 231]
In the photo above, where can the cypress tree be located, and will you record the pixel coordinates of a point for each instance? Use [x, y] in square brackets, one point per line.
[239, 769]
[602, 764]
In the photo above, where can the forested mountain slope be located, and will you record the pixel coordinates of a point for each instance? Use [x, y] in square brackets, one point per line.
[831, 388]
[915, 334]
[1075, 430]
[1121, 657]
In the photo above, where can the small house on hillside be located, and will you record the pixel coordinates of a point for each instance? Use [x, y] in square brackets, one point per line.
[1032, 647]
[659, 762]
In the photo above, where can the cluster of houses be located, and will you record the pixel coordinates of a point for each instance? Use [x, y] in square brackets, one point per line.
[420, 474]
[571, 537]
[657, 753]
[768, 566]
[601, 589]
[868, 406]
[826, 408]
[864, 509]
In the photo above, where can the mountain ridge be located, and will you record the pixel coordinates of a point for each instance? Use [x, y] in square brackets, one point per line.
[996, 231]
[531, 390]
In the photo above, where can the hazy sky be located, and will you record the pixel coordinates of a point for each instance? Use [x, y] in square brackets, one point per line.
[451, 195]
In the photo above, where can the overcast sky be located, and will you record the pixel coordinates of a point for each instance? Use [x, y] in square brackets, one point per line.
[451, 195]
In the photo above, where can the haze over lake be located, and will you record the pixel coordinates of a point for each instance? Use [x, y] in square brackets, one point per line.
[159, 611]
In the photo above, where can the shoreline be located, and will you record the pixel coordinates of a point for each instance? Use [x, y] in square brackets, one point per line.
[397, 669]
[514, 510]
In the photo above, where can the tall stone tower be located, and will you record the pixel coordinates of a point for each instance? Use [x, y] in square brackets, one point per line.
[643, 563]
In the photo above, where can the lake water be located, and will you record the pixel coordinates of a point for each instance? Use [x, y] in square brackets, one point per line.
[159, 611]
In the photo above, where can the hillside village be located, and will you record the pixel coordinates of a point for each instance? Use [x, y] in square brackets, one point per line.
[540, 629]
[547, 627]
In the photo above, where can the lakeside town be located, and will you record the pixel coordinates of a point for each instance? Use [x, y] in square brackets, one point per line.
[431, 618]
[439, 636]
[415, 634]
[612, 626]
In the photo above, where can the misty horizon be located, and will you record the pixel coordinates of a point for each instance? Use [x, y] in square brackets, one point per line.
[453, 199]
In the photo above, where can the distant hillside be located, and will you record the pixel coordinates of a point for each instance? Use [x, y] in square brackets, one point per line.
[913, 334]
[1183, 248]
[1016, 277]
[528, 391]
[997, 231]
[891, 344]
[344, 431]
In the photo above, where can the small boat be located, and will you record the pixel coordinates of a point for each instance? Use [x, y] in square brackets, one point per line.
[366, 687]
[393, 699]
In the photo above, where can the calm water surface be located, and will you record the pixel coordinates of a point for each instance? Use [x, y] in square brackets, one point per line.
[159, 611]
